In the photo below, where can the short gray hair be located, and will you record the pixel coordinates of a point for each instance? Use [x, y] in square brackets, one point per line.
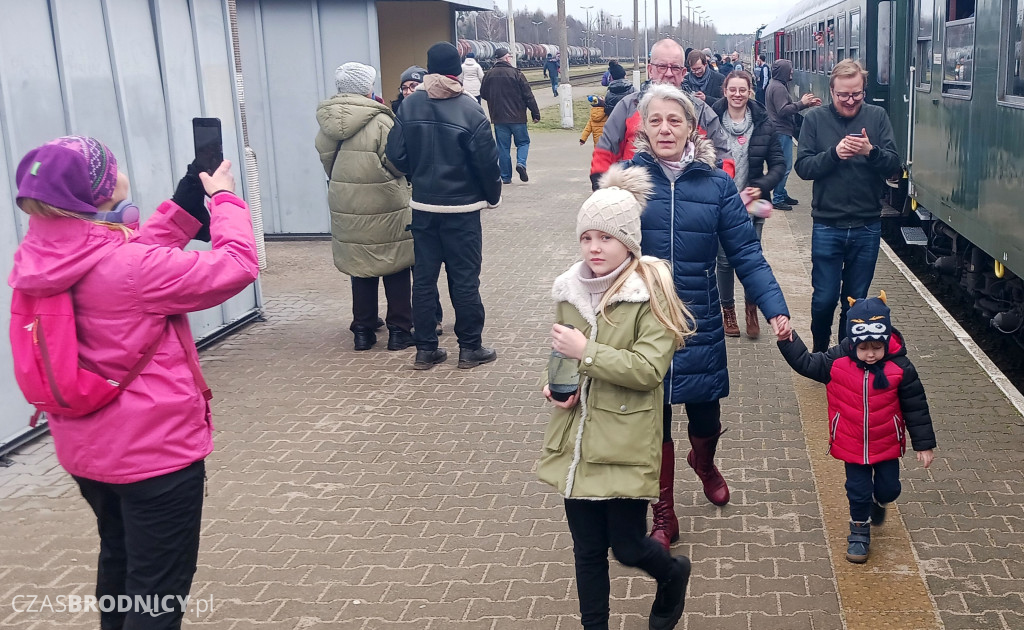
[670, 93]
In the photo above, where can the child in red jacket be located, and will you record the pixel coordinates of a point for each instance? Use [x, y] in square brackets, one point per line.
[874, 399]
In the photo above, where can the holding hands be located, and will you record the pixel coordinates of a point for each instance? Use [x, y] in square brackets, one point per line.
[780, 324]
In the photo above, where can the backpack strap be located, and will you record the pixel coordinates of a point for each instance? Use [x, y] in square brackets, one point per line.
[336, 152]
[142, 362]
[180, 325]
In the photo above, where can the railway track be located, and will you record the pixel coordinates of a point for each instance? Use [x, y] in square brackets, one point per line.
[535, 83]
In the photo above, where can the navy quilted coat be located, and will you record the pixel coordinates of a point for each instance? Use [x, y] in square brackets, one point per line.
[683, 224]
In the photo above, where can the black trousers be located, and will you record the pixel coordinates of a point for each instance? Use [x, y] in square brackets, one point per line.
[456, 241]
[397, 290]
[149, 543]
[879, 481]
[703, 419]
[619, 524]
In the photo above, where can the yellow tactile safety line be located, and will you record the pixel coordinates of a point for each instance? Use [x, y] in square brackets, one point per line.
[888, 591]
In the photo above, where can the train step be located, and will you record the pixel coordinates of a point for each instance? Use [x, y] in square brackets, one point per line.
[888, 212]
[914, 236]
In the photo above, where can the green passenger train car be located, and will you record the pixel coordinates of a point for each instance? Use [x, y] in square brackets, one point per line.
[949, 74]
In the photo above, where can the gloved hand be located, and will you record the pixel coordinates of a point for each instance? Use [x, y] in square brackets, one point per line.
[595, 181]
[191, 196]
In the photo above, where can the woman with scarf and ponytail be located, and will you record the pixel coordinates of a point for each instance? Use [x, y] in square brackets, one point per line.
[694, 207]
[875, 399]
[754, 144]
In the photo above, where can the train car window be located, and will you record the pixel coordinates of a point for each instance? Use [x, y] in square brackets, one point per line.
[820, 47]
[882, 46]
[830, 35]
[958, 58]
[841, 37]
[1011, 80]
[925, 21]
[855, 35]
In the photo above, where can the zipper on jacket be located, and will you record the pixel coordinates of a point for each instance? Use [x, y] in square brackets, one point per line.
[899, 435]
[865, 416]
[672, 265]
[833, 430]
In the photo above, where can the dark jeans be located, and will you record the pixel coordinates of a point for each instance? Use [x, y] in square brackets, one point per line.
[620, 524]
[880, 481]
[727, 277]
[149, 542]
[842, 265]
[703, 419]
[455, 240]
[779, 194]
[397, 290]
[503, 136]
[554, 84]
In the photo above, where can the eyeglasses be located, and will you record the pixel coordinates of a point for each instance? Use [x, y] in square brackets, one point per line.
[741, 90]
[667, 67]
[849, 96]
[408, 89]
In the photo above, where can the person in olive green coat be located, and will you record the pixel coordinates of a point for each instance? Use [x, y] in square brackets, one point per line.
[618, 315]
[369, 202]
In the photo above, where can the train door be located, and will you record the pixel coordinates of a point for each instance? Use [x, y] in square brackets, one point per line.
[900, 60]
[780, 45]
[877, 50]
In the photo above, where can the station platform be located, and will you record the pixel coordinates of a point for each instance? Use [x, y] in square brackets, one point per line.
[348, 491]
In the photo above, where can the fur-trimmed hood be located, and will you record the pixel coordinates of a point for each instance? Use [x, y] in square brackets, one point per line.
[569, 288]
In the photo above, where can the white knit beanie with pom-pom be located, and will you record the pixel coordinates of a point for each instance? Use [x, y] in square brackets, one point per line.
[615, 208]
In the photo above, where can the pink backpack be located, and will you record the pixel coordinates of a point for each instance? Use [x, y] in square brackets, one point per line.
[47, 365]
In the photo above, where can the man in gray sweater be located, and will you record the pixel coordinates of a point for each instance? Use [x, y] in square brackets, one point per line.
[848, 150]
[782, 111]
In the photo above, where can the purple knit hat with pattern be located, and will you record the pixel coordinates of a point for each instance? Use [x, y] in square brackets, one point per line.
[73, 173]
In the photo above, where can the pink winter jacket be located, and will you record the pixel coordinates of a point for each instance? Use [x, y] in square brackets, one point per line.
[123, 292]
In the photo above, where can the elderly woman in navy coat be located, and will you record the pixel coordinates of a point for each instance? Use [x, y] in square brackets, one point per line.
[695, 206]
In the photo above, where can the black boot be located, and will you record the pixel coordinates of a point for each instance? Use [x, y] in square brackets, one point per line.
[671, 597]
[364, 339]
[877, 512]
[473, 358]
[399, 339]
[426, 359]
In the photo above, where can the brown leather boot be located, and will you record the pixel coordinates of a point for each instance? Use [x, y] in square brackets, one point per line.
[665, 525]
[702, 459]
[732, 329]
[753, 325]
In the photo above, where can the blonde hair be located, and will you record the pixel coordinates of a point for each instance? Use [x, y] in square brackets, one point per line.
[36, 208]
[846, 69]
[658, 279]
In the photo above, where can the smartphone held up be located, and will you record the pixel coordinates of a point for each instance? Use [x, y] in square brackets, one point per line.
[209, 144]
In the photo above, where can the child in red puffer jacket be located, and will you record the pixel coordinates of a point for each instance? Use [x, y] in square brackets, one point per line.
[874, 399]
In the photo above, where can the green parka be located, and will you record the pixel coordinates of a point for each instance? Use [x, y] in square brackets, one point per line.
[609, 445]
[368, 198]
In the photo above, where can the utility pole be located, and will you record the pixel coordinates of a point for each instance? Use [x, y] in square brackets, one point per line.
[670, 22]
[636, 44]
[656, 26]
[565, 90]
[512, 35]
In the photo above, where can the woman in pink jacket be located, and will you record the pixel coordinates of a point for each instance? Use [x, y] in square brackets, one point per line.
[139, 461]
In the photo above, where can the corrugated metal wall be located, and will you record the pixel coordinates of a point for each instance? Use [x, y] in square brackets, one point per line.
[290, 49]
[132, 73]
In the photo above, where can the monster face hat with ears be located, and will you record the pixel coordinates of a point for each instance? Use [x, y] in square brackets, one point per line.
[868, 320]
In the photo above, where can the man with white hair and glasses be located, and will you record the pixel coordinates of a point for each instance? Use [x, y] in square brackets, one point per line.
[666, 66]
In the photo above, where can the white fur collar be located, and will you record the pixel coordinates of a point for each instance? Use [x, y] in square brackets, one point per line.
[568, 288]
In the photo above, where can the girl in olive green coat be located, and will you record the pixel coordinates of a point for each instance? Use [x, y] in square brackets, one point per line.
[602, 448]
[369, 202]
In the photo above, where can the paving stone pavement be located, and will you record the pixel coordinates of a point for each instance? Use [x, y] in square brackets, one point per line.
[349, 491]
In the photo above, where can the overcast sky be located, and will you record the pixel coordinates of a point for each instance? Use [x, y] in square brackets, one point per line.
[729, 16]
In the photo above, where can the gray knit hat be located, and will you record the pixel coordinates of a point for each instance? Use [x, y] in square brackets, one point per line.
[354, 78]
[615, 208]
